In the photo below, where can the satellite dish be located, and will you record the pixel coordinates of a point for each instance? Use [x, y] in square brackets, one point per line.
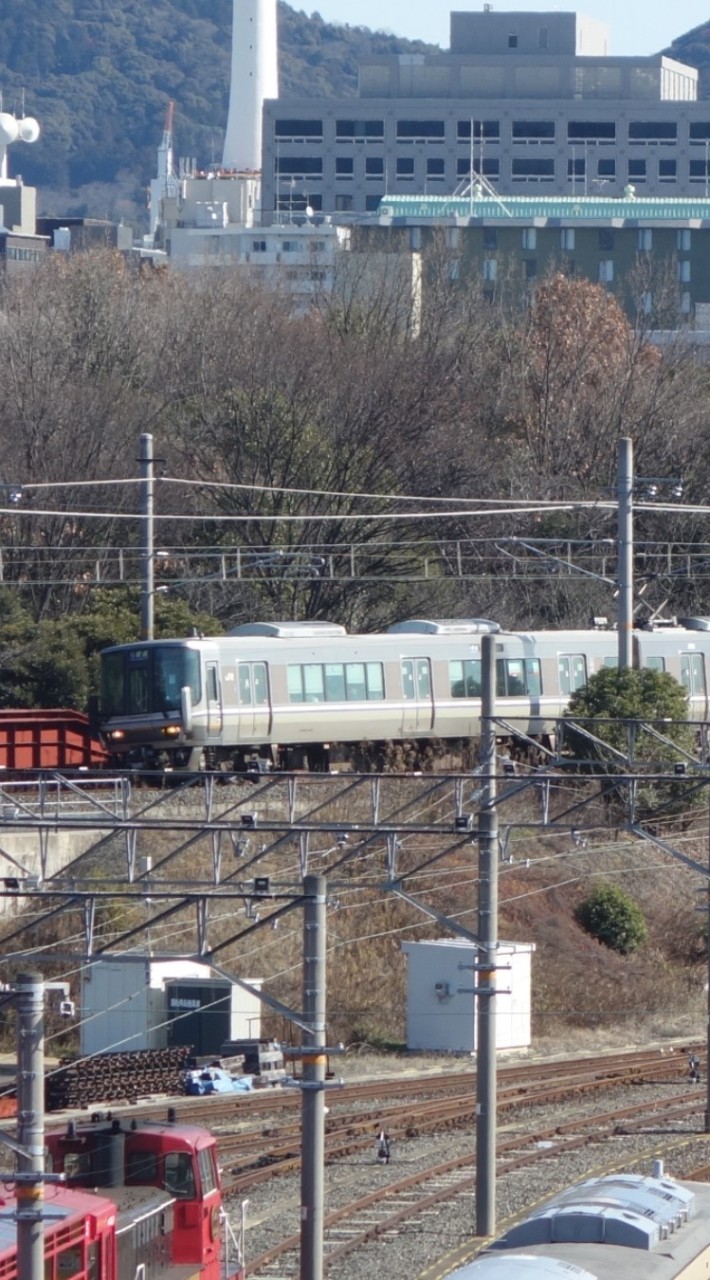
[29, 129]
[9, 129]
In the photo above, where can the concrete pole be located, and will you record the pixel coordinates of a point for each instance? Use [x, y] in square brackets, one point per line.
[29, 1003]
[625, 537]
[486, 1078]
[147, 534]
[313, 1083]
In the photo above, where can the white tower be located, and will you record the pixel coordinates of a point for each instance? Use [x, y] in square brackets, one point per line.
[254, 78]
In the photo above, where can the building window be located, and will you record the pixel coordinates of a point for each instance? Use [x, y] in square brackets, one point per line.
[542, 38]
[489, 167]
[593, 131]
[647, 302]
[372, 203]
[298, 130]
[606, 168]
[489, 130]
[642, 131]
[699, 132]
[682, 240]
[405, 168]
[343, 204]
[533, 131]
[490, 239]
[606, 238]
[606, 270]
[683, 268]
[258, 246]
[699, 170]
[374, 167]
[576, 168]
[359, 131]
[299, 166]
[667, 170]
[535, 170]
[644, 239]
[529, 238]
[421, 130]
[637, 170]
[344, 166]
[685, 303]
[567, 239]
[512, 42]
[290, 246]
[530, 268]
[435, 168]
[490, 269]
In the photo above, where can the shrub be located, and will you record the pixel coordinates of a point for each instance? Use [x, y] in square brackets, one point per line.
[613, 918]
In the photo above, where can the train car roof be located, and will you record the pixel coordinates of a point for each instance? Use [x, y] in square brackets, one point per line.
[62, 1205]
[614, 1228]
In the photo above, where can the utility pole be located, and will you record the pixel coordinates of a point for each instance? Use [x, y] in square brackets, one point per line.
[29, 1002]
[625, 540]
[147, 535]
[313, 1082]
[485, 969]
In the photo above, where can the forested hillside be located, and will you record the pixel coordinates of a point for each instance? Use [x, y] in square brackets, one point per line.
[98, 76]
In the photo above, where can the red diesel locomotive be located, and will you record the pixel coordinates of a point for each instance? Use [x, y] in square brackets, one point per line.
[140, 1198]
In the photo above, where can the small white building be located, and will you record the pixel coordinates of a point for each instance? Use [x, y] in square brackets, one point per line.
[440, 1001]
[140, 1003]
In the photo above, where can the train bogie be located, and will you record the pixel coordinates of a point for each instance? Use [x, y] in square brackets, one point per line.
[296, 695]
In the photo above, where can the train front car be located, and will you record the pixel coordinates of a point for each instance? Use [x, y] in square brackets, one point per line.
[124, 1158]
[154, 702]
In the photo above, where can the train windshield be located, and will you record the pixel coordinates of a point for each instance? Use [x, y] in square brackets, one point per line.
[147, 679]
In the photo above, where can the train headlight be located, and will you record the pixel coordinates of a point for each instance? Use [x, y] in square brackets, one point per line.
[116, 735]
[171, 731]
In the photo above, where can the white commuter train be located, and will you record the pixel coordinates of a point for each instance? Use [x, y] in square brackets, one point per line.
[293, 695]
[617, 1227]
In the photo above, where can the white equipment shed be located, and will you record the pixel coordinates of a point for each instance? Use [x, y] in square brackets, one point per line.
[440, 1001]
[131, 1003]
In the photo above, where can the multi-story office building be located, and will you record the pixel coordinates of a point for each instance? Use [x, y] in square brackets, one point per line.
[531, 101]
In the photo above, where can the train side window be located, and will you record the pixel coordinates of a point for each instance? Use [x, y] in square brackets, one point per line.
[501, 689]
[260, 684]
[313, 684]
[692, 672]
[533, 679]
[423, 678]
[212, 689]
[294, 676]
[654, 663]
[70, 1262]
[179, 1175]
[408, 690]
[572, 669]
[465, 678]
[375, 681]
[515, 677]
[208, 1170]
[334, 682]
[612, 660]
[244, 678]
[355, 681]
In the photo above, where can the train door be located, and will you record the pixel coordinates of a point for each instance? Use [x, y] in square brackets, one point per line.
[694, 681]
[418, 702]
[254, 701]
[213, 692]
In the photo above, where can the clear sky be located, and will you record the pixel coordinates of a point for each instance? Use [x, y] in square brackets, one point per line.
[637, 26]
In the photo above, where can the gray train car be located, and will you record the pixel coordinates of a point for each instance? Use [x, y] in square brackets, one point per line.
[294, 695]
[619, 1227]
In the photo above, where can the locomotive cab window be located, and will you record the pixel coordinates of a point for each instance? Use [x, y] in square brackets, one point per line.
[141, 1169]
[145, 680]
[208, 1170]
[692, 672]
[179, 1175]
[572, 669]
[518, 677]
[465, 678]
